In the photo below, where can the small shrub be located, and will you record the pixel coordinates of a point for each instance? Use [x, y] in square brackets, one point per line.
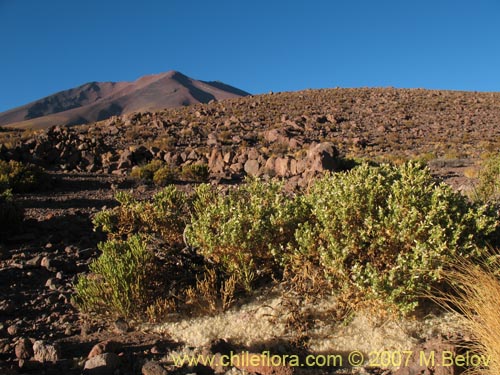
[146, 172]
[247, 230]
[387, 231]
[120, 280]
[164, 176]
[165, 215]
[21, 178]
[488, 189]
[195, 172]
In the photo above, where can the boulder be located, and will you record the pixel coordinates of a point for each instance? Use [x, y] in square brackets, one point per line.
[46, 352]
[102, 364]
[252, 167]
[323, 156]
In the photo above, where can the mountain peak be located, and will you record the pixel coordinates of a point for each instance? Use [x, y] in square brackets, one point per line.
[95, 101]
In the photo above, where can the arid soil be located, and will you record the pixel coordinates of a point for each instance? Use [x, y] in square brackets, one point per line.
[268, 135]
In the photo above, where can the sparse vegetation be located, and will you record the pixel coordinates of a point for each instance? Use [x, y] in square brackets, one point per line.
[165, 216]
[146, 172]
[195, 172]
[121, 279]
[21, 178]
[164, 176]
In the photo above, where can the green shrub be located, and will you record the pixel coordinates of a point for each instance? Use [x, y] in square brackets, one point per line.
[21, 177]
[488, 189]
[388, 231]
[165, 215]
[11, 215]
[247, 230]
[164, 176]
[120, 280]
[195, 172]
[146, 172]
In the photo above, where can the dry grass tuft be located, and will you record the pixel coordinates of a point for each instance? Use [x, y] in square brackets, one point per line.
[476, 295]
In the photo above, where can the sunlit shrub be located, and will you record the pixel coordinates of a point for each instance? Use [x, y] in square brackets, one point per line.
[388, 231]
[165, 215]
[247, 230]
[120, 280]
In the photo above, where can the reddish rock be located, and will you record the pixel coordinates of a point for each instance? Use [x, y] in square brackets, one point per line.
[46, 352]
[252, 167]
[107, 346]
[24, 349]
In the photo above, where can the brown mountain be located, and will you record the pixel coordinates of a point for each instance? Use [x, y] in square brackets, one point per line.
[97, 101]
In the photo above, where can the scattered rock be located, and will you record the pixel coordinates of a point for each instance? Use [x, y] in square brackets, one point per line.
[24, 349]
[252, 167]
[46, 352]
[153, 368]
[7, 307]
[120, 326]
[13, 329]
[102, 364]
[107, 346]
[433, 347]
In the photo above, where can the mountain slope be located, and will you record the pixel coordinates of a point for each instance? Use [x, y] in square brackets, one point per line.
[97, 101]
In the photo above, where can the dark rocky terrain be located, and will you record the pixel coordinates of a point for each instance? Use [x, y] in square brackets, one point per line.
[288, 135]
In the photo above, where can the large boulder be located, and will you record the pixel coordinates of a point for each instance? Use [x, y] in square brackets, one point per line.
[323, 156]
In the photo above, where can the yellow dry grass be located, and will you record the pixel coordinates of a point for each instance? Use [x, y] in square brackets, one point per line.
[477, 297]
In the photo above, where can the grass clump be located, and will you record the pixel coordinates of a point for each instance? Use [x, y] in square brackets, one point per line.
[476, 296]
[387, 231]
[164, 176]
[195, 172]
[120, 281]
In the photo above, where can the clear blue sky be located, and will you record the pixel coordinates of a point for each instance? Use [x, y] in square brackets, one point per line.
[258, 46]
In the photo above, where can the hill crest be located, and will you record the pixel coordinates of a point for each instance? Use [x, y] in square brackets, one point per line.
[96, 101]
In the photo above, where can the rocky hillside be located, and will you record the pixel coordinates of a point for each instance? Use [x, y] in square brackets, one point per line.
[97, 101]
[289, 135]
[274, 134]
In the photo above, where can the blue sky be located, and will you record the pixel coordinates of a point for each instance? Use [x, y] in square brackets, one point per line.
[258, 46]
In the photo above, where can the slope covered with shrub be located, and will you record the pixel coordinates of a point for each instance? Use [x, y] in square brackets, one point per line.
[379, 232]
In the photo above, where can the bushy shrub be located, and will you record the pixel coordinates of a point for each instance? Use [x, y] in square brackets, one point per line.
[165, 215]
[388, 231]
[120, 282]
[146, 172]
[247, 230]
[164, 176]
[488, 189]
[21, 178]
[195, 172]
[11, 215]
